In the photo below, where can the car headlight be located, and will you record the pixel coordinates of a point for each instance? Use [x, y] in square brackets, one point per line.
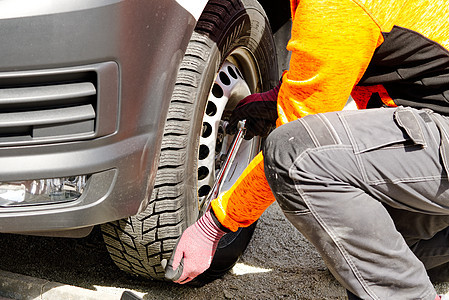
[41, 191]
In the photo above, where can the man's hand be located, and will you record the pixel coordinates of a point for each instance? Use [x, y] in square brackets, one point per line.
[194, 251]
[260, 112]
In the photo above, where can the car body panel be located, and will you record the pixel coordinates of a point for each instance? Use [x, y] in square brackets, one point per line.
[127, 52]
[133, 48]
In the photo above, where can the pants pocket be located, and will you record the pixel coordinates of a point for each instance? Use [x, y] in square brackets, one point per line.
[388, 141]
[410, 122]
[376, 128]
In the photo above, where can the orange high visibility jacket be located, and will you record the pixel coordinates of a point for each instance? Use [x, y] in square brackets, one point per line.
[391, 52]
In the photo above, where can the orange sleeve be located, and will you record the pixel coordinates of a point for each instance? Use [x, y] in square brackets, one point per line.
[332, 43]
[246, 200]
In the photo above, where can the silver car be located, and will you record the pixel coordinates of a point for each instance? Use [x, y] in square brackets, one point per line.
[112, 114]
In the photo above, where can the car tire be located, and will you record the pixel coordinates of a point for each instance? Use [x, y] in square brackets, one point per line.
[231, 36]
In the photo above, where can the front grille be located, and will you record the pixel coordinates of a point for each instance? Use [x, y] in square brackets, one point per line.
[57, 105]
[39, 107]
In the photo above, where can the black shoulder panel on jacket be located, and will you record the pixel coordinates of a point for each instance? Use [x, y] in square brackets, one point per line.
[413, 69]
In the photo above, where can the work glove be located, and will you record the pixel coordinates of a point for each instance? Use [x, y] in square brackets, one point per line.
[194, 251]
[260, 112]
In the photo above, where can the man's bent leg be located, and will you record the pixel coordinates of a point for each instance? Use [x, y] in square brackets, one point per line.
[323, 173]
[418, 230]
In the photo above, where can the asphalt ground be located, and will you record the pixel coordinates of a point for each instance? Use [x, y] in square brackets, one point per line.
[278, 264]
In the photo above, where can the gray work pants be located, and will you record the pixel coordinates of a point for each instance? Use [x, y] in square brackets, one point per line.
[369, 189]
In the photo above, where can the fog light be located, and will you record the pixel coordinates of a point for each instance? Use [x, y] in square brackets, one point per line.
[41, 191]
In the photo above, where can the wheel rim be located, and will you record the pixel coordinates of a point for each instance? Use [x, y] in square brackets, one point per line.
[230, 86]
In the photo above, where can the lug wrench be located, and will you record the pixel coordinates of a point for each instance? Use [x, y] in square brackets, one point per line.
[225, 168]
[205, 206]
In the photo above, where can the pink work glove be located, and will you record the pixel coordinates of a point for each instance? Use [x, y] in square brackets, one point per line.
[194, 251]
[260, 112]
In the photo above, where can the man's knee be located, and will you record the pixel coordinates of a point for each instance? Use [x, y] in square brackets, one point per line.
[271, 151]
[285, 144]
[282, 147]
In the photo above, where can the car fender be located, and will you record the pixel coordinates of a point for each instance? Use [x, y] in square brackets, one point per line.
[193, 7]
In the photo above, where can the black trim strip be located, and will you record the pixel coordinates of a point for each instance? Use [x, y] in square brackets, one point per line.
[413, 69]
